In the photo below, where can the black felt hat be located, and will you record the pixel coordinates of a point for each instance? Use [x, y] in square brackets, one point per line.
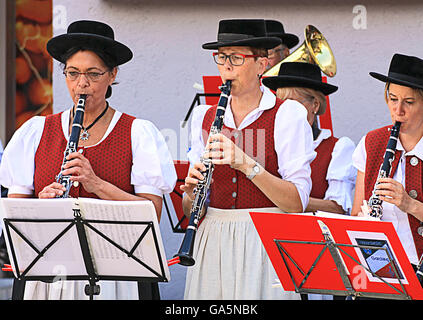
[243, 32]
[299, 74]
[89, 34]
[404, 70]
[275, 29]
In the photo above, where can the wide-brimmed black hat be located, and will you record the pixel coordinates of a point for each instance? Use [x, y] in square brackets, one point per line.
[299, 74]
[242, 32]
[89, 34]
[404, 70]
[275, 29]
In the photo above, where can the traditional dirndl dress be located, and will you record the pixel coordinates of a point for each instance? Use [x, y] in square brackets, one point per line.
[235, 265]
[136, 169]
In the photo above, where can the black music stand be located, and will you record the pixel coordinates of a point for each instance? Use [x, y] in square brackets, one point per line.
[147, 285]
[176, 227]
[332, 254]
[196, 101]
[335, 249]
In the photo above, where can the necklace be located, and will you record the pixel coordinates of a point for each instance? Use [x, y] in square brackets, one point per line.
[85, 134]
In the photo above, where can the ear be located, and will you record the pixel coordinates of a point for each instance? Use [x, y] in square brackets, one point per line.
[113, 75]
[316, 106]
[263, 62]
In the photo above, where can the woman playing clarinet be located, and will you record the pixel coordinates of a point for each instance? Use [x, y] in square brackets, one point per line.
[119, 157]
[262, 159]
[401, 192]
[332, 172]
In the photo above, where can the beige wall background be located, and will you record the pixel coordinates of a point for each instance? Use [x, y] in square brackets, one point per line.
[166, 37]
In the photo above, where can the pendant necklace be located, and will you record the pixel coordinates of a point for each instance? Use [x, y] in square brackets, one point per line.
[85, 134]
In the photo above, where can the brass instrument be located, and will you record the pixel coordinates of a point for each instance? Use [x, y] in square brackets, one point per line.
[315, 49]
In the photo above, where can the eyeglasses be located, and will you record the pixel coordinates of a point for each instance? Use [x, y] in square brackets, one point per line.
[236, 59]
[91, 75]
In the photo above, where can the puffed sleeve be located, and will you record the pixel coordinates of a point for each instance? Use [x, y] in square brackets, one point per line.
[17, 165]
[341, 174]
[197, 144]
[1, 150]
[359, 155]
[294, 147]
[153, 170]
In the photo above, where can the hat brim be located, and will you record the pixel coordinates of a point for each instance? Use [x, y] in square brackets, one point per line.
[401, 82]
[288, 39]
[290, 81]
[259, 42]
[59, 45]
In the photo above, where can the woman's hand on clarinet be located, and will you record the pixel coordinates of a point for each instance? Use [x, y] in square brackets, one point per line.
[222, 150]
[194, 175]
[79, 168]
[51, 191]
[393, 192]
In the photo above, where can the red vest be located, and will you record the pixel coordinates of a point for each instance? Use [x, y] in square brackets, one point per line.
[111, 159]
[231, 189]
[319, 167]
[375, 143]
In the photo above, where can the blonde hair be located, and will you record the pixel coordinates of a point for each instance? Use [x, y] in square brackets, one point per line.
[306, 93]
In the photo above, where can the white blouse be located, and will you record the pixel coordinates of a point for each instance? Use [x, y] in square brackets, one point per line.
[341, 174]
[152, 171]
[292, 135]
[1, 150]
[391, 213]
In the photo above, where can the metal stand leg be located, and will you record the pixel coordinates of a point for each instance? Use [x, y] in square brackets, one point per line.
[92, 289]
[148, 291]
[18, 289]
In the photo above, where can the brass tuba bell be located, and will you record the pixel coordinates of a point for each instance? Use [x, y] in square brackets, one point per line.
[315, 49]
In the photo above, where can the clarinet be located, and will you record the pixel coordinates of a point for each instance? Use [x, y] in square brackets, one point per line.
[375, 204]
[72, 146]
[201, 190]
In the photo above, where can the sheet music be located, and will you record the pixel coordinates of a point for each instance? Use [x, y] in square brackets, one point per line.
[64, 257]
[108, 259]
[377, 260]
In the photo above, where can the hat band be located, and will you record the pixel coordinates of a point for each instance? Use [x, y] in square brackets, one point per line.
[404, 77]
[233, 36]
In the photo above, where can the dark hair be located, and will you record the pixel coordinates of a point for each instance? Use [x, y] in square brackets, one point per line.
[107, 59]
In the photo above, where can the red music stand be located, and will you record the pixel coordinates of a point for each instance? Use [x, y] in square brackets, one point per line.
[338, 256]
[212, 83]
[211, 86]
[176, 198]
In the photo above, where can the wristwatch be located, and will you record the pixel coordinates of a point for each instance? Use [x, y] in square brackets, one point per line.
[254, 171]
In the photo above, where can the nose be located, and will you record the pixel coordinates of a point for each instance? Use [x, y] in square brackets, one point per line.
[228, 65]
[83, 80]
[399, 110]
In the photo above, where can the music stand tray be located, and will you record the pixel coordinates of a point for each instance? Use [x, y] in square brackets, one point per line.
[338, 255]
[83, 239]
